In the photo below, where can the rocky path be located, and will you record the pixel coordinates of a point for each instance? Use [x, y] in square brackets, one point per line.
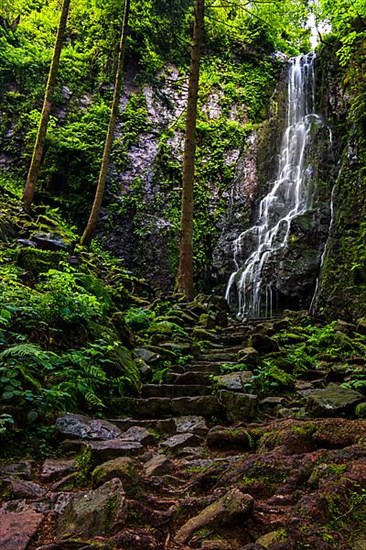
[185, 466]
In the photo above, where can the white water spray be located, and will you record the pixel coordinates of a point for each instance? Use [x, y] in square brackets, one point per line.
[289, 197]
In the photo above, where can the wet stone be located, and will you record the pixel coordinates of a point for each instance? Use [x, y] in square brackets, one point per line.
[238, 406]
[102, 451]
[82, 427]
[333, 400]
[193, 424]
[180, 441]
[139, 435]
[234, 381]
[122, 468]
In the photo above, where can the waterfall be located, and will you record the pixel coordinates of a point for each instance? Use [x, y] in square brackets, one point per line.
[290, 196]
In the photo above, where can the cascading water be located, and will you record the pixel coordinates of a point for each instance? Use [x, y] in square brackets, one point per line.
[289, 197]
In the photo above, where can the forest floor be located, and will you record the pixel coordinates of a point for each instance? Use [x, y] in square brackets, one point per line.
[213, 458]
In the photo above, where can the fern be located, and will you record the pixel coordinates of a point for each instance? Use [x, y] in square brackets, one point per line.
[93, 399]
[21, 350]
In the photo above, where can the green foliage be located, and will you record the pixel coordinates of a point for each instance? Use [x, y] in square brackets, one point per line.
[139, 318]
[347, 20]
[268, 378]
[228, 367]
[6, 422]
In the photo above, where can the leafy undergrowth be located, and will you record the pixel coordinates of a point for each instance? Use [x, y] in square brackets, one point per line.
[64, 343]
[297, 350]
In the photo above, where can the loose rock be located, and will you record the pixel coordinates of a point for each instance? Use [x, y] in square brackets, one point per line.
[94, 513]
[123, 468]
[18, 529]
[238, 406]
[333, 400]
[82, 427]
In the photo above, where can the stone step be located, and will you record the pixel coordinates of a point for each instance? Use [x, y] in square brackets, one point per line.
[239, 339]
[212, 367]
[225, 350]
[160, 425]
[191, 377]
[174, 390]
[164, 407]
[219, 357]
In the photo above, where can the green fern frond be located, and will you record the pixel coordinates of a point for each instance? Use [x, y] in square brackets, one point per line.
[93, 399]
[21, 350]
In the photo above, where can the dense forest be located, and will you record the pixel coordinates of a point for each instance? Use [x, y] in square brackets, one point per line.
[182, 274]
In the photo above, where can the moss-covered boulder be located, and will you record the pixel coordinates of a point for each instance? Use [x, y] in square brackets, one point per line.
[123, 468]
[94, 513]
[333, 400]
[249, 356]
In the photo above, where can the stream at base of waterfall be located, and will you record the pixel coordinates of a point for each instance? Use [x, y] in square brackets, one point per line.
[290, 196]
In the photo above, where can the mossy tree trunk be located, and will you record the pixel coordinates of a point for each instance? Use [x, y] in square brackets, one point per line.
[185, 270]
[37, 156]
[99, 193]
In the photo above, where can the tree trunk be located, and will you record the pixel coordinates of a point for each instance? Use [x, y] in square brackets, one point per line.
[185, 270]
[93, 218]
[35, 165]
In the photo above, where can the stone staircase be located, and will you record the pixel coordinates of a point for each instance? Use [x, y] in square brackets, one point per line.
[187, 390]
[162, 475]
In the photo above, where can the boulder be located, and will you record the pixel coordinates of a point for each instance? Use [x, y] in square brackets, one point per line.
[17, 529]
[80, 426]
[193, 424]
[17, 469]
[103, 451]
[234, 381]
[146, 355]
[20, 488]
[139, 435]
[158, 465]
[123, 468]
[238, 406]
[54, 469]
[249, 356]
[179, 441]
[333, 400]
[94, 513]
[264, 344]
[229, 438]
[229, 509]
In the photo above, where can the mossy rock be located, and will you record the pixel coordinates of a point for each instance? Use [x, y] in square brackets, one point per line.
[123, 468]
[166, 328]
[39, 261]
[94, 513]
[333, 400]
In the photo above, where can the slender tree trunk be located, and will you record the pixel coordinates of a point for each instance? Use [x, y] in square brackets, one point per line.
[185, 270]
[93, 218]
[35, 165]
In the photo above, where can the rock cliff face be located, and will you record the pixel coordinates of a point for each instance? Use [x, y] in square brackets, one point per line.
[141, 220]
[343, 277]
